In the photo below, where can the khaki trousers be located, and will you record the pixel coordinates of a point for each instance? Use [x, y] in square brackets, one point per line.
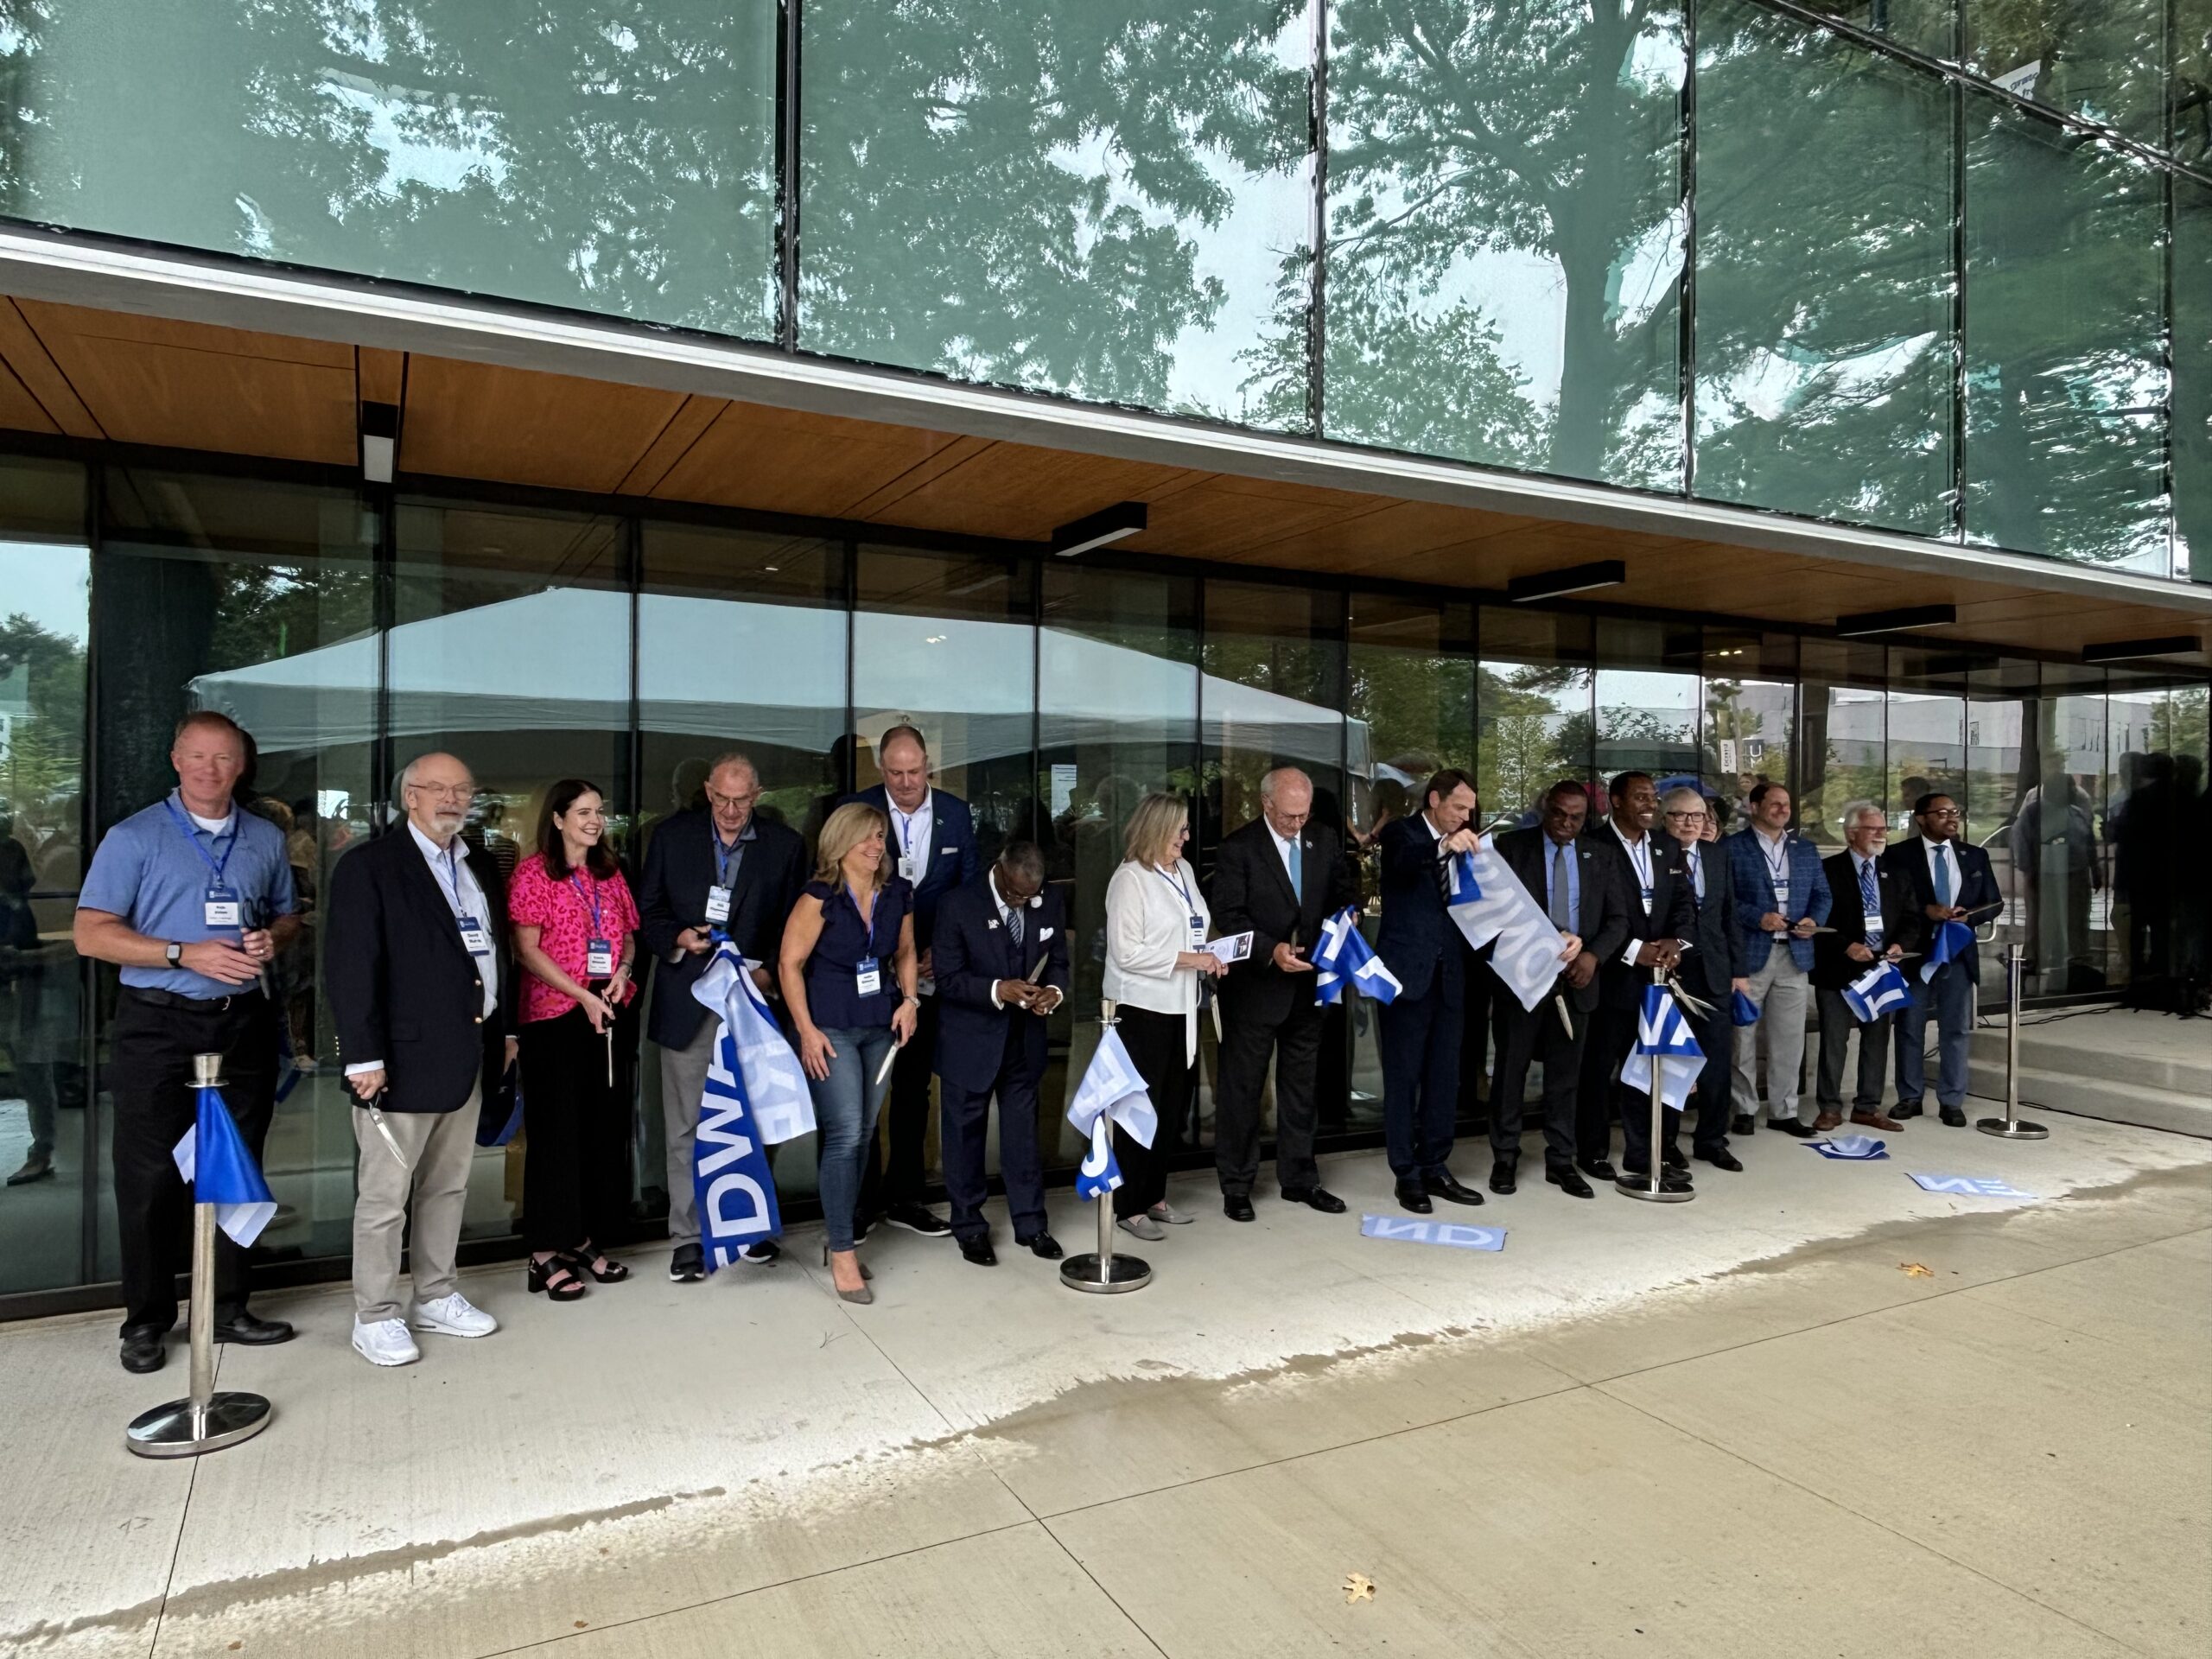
[440, 1147]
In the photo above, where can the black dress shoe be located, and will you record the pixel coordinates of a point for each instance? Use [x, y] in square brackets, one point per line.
[1742, 1124]
[145, 1348]
[916, 1219]
[244, 1327]
[979, 1251]
[1598, 1169]
[1450, 1188]
[1671, 1158]
[1569, 1182]
[1955, 1116]
[1723, 1159]
[1412, 1198]
[1501, 1178]
[1315, 1197]
[1238, 1206]
[1042, 1244]
[687, 1265]
[1905, 1108]
[1791, 1126]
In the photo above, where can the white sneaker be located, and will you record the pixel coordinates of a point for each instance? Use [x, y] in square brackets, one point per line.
[453, 1316]
[385, 1343]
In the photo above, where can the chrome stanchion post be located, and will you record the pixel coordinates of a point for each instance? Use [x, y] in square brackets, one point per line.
[2009, 1126]
[1649, 1187]
[204, 1420]
[1101, 1272]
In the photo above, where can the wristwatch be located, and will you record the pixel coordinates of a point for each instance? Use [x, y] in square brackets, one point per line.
[174, 955]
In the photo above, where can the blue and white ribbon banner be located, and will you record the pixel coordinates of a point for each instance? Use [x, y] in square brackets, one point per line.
[1344, 959]
[1455, 1235]
[1663, 1042]
[1952, 940]
[212, 1159]
[1970, 1187]
[1859, 1148]
[1489, 904]
[1112, 1093]
[1875, 992]
[755, 1096]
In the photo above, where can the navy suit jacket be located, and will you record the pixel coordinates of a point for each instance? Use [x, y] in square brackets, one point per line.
[1977, 887]
[1903, 923]
[1418, 941]
[1603, 924]
[951, 862]
[1709, 970]
[973, 952]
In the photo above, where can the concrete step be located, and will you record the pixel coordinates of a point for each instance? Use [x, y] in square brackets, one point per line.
[2181, 1112]
[2066, 1048]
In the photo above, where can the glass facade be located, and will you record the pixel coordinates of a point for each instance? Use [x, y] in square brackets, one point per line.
[348, 630]
[1935, 266]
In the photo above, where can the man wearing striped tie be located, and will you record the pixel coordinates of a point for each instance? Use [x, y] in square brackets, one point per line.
[1873, 919]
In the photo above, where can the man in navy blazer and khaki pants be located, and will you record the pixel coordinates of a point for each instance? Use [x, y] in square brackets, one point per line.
[933, 839]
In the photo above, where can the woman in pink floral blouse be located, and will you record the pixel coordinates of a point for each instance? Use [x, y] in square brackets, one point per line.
[575, 940]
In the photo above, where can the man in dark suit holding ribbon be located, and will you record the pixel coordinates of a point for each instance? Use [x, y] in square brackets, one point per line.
[1950, 881]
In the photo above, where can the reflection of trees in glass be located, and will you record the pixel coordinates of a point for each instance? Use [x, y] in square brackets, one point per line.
[2192, 356]
[46, 749]
[1537, 729]
[264, 612]
[2103, 59]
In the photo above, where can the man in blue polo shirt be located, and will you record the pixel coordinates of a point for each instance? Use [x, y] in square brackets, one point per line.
[192, 900]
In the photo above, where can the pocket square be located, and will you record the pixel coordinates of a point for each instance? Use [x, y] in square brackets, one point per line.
[1043, 933]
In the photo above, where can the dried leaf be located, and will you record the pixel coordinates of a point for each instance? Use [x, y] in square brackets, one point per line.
[1358, 1587]
[1916, 1269]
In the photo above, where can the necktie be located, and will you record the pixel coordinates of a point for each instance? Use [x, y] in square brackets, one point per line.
[1697, 874]
[1870, 900]
[1443, 876]
[1013, 927]
[1561, 908]
[1297, 870]
[1942, 875]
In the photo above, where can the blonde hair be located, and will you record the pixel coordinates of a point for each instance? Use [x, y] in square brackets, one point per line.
[849, 825]
[1152, 828]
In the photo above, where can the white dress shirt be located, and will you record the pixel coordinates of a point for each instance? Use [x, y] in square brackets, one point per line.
[1285, 848]
[1651, 849]
[464, 884]
[1859, 865]
[910, 834]
[1005, 920]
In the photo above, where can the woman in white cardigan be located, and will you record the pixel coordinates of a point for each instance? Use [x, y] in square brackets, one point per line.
[1156, 920]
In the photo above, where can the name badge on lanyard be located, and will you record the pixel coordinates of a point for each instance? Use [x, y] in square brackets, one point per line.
[1198, 933]
[475, 938]
[221, 909]
[599, 960]
[868, 977]
[909, 866]
[718, 905]
[1190, 904]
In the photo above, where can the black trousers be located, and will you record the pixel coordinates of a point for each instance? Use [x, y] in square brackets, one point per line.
[1522, 1037]
[965, 1122]
[1247, 1039]
[899, 1177]
[1420, 1077]
[1716, 1039]
[1612, 1033]
[151, 1048]
[576, 1168]
[1158, 1049]
[1479, 988]
[1837, 1024]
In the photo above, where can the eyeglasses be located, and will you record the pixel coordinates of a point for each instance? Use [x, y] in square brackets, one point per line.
[717, 799]
[462, 793]
[1940, 812]
[1689, 817]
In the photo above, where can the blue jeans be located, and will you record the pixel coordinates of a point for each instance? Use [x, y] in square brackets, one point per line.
[845, 1105]
[1950, 998]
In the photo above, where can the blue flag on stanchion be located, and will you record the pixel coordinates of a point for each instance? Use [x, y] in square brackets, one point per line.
[1951, 940]
[1875, 992]
[1111, 1092]
[1663, 1044]
[755, 1096]
[213, 1159]
[1345, 958]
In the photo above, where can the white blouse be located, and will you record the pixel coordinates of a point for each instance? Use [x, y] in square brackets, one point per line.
[1148, 914]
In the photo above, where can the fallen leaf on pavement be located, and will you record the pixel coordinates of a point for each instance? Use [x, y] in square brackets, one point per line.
[1358, 1587]
[1916, 1269]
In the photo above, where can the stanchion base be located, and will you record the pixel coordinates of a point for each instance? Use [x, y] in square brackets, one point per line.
[1633, 1187]
[170, 1432]
[2016, 1130]
[1122, 1273]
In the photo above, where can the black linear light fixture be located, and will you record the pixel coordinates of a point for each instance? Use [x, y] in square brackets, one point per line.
[1575, 579]
[2121, 651]
[1097, 529]
[379, 442]
[1909, 616]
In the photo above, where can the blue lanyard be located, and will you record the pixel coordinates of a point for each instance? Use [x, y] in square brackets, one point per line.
[449, 861]
[1177, 882]
[594, 900]
[722, 856]
[184, 825]
[870, 920]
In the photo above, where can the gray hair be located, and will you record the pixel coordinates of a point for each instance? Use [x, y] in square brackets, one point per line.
[407, 771]
[1026, 859]
[1274, 781]
[1854, 810]
[1680, 797]
[735, 758]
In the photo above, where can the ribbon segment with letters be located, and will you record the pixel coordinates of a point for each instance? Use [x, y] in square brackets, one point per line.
[1345, 960]
[1664, 1046]
[1875, 992]
[1488, 904]
[755, 1096]
[1112, 1093]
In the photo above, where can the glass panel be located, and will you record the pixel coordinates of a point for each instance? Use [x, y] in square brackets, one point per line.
[257, 600]
[1824, 294]
[617, 158]
[1647, 712]
[2189, 91]
[511, 649]
[1926, 731]
[2058, 841]
[1273, 696]
[1924, 25]
[1843, 757]
[2002, 720]
[1111, 201]
[44, 629]
[2192, 299]
[2142, 828]
[1534, 722]
[1751, 718]
[1505, 235]
[2066, 390]
[2102, 60]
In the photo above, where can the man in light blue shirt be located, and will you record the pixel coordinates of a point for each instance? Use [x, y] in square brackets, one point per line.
[192, 900]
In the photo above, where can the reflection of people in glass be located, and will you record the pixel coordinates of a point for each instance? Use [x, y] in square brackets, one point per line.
[192, 899]
[574, 924]
[1156, 920]
[2059, 841]
[850, 972]
[20, 977]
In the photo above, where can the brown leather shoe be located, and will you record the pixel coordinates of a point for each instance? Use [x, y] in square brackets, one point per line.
[1876, 1121]
[1825, 1122]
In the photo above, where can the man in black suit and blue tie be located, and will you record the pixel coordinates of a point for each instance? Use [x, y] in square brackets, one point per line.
[1950, 881]
[1002, 962]
[933, 839]
[1421, 943]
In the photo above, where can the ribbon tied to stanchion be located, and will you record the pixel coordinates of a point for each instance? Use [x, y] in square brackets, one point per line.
[1345, 960]
[213, 1160]
[1112, 1093]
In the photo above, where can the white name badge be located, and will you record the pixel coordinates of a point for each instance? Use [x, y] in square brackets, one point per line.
[222, 908]
[1647, 900]
[599, 959]
[1781, 895]
[718, 904]
[905, 866]
[1197, 933]
[868, 977]
[474, 936]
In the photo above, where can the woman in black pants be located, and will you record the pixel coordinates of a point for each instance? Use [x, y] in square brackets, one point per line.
[574, 936]
[1156, 924]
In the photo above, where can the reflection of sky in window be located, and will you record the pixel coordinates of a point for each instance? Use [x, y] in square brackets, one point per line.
[394, 116]
[1789, 379]
[51, 585]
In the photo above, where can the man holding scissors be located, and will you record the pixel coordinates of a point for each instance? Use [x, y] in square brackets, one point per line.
[192, 900]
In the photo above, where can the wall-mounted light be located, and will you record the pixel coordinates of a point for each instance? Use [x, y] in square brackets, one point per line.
[1909, 616]
[2121, 651]
[379, 442]
[1575, 579]
[1096, 529]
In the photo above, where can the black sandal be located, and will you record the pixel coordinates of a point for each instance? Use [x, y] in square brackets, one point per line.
[554, 1279]
[585, 1261]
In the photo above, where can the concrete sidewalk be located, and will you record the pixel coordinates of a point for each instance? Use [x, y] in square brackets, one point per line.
[1740, 1426]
